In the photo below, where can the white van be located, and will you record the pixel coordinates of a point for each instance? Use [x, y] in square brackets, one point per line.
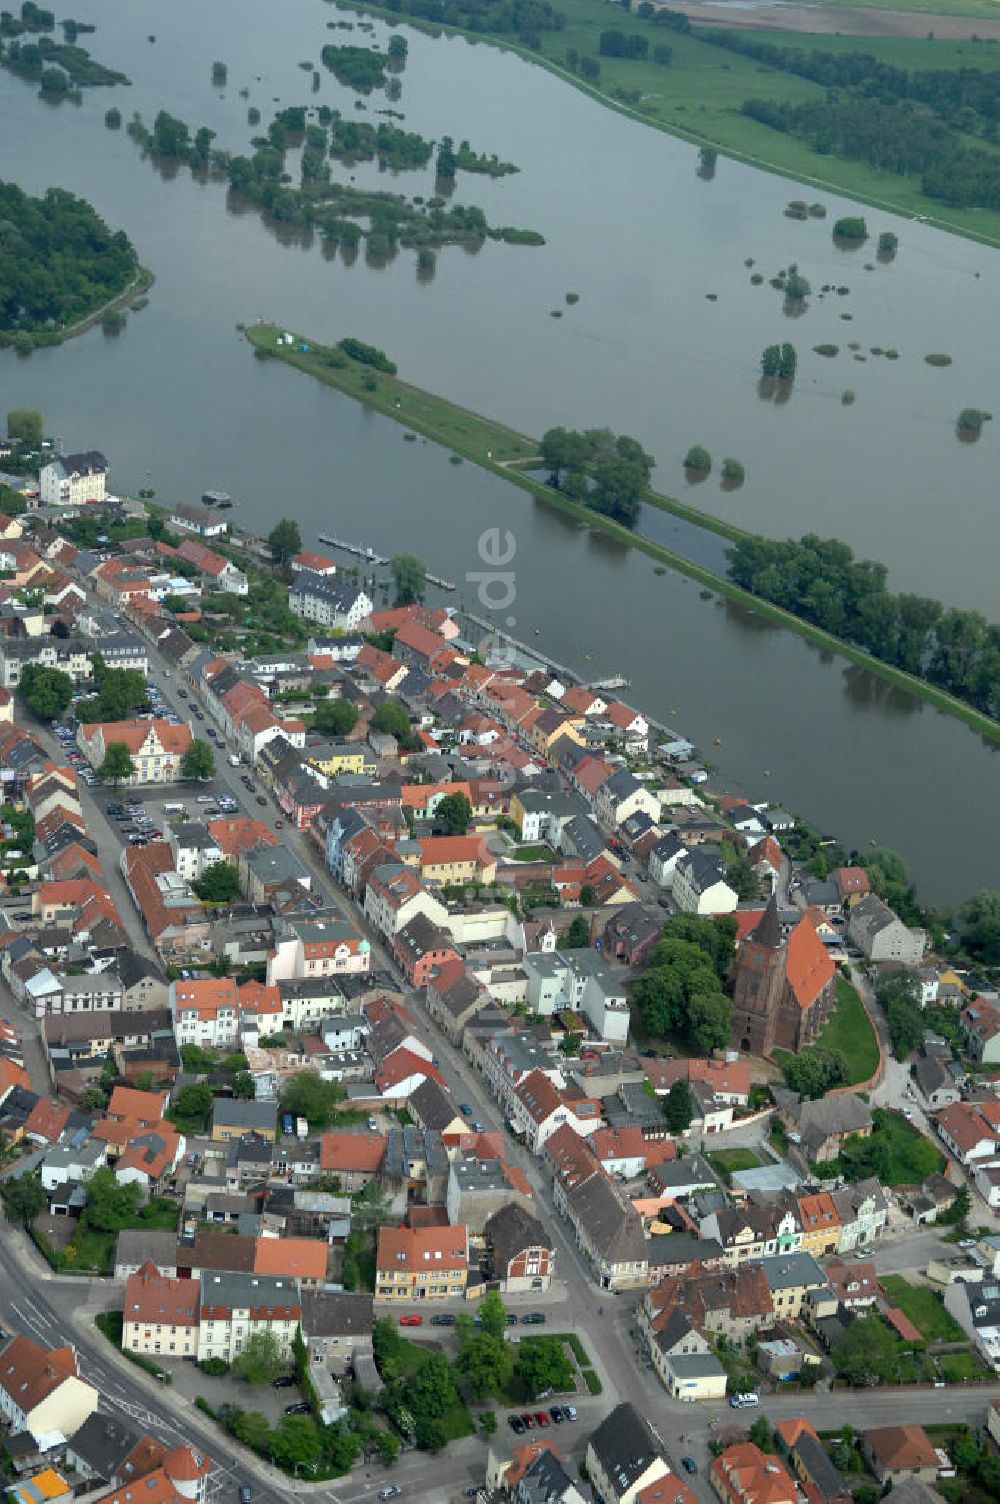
[744, 1401]
[173, 809]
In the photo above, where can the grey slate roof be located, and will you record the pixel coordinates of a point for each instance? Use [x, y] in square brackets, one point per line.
[624, 1445]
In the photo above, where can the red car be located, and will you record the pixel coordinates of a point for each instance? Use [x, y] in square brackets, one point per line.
[411, 1320]
[528, 1420]
[541, 1418]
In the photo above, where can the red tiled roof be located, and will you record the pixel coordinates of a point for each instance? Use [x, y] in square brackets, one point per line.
[808, 966]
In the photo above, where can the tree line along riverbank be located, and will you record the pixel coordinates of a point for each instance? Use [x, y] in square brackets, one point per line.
[695, 83]
[507, 453]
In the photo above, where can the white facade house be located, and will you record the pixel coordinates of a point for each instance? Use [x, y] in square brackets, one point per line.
[73, 479]
[235, 1307]
[41, 1390]
[699, 885]
[329, 602]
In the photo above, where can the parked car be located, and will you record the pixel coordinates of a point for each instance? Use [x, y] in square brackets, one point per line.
[298, 1407]
[569, 1411]
[444, 1318]
[512, 1318]
[261, 800]
[541, 1419]
[412, 1319]
[391, 1491]
[689, 1465]
[533, 1318]
[528, 1420]
[284, 1381]
[516, 1424]
[246, 1494]
[556, 1413]
[465, 1109]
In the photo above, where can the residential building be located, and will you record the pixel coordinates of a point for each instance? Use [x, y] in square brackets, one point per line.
[232, 1117]
[820, 1128]
[41, 1390]
[73, 479]
[394, 895]
[337, 1328]
[520, 1254]
[968, 1133]
[160, 1314]
[699, 883]
[743, 1474]
[795, 1280]
[427, 1263]
[624, 1456]
[902, 1451]
[863, 1211]
[608, 1230]
[235, 1306]
[327, 601]
[881, 936]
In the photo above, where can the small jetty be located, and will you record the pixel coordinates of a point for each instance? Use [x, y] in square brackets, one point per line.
[616, 681]
[359, 550]
[434, 579]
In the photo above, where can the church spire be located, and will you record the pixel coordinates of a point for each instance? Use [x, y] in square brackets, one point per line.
[768, 931]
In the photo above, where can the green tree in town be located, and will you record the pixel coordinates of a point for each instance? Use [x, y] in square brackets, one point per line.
[193, 1103]
[387, 1446]
[110, 1206]
[761, 1434]
[296, 1442]
[244, 1086]
[577, 937]
[493, 1314]
[261, 1360]
[486, 1364]
[391, 717]
[453, 813]
[542, 1365]
[219, 883]
[410, 575]
[370, 1206]
[253, 1429]
[708, 1020]
[24, 1199]
[285, 541]
[45, 691]
[677, 1106]
[959, 1209]
[335, 717]
[899, 995]
[307, 1095]
[979, 926]
[867, 1352]
[117, 766]
[198, 761]
[814, 1070]
[431, 1390]
[26, 425]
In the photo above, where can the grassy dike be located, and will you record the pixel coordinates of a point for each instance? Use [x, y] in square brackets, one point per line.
[503, 451]
[699, 95]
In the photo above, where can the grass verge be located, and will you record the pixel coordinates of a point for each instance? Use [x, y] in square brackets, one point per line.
[849, 1030]
[728, 1161]
[502, 451]
[925, 1309]
[592, 1382]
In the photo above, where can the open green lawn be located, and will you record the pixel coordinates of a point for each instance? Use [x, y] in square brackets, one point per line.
[537, 852]
[727, 1161]
[912, 1157]
[849, 1030]
[93, 1248]
[924, 1307]
[700, 92]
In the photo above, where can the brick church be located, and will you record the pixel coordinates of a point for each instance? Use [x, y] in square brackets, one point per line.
[783, 989]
